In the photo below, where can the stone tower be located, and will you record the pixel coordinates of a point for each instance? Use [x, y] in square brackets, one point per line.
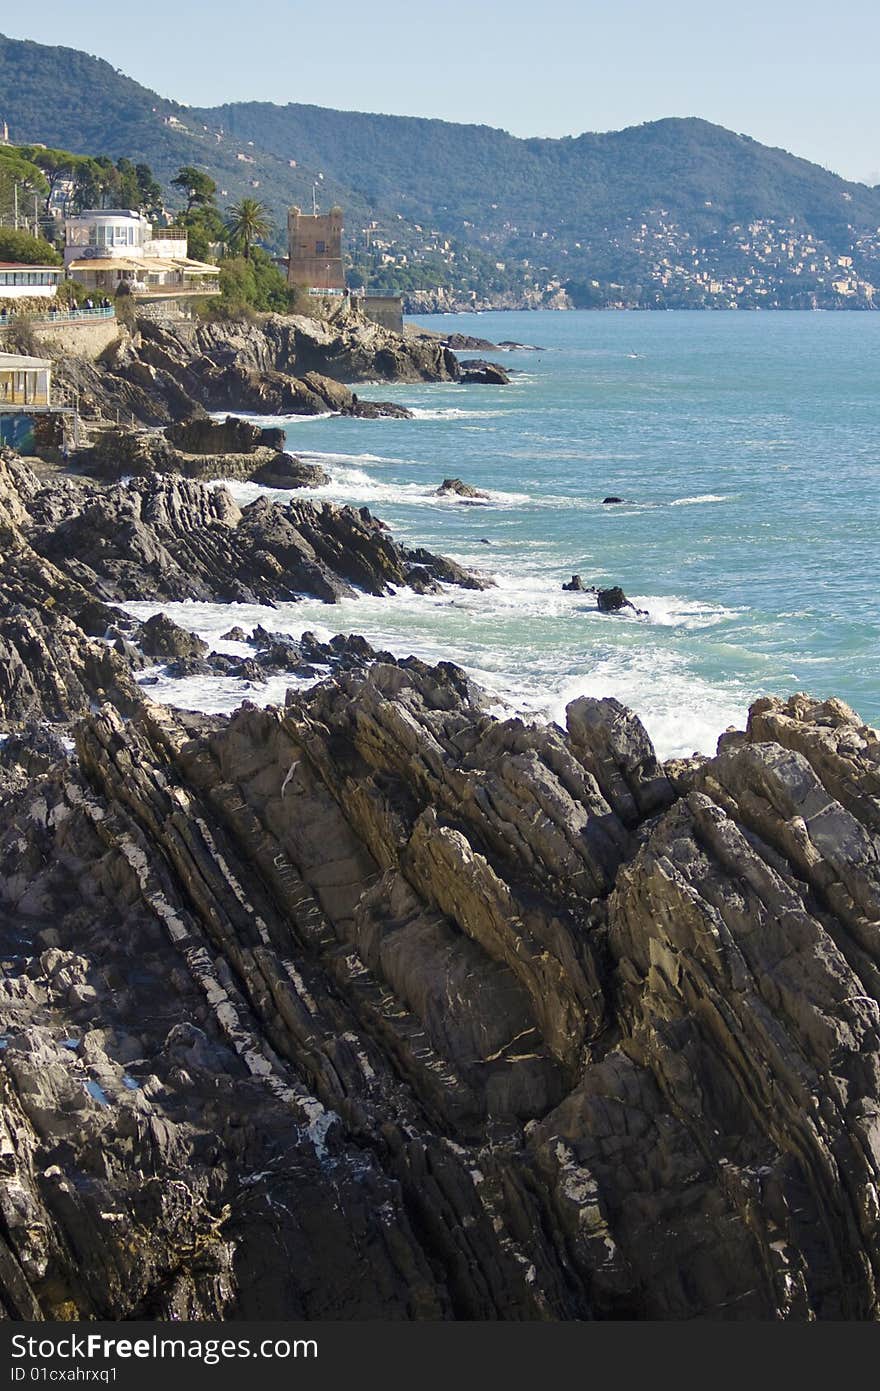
[314, 248]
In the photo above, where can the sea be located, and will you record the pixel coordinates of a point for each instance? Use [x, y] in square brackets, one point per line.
[746, 449]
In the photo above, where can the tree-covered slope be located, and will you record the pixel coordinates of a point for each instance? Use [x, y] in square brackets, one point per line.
[434, 169]
[657, 213]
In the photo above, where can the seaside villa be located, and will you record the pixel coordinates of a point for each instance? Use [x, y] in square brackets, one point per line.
[109, 248]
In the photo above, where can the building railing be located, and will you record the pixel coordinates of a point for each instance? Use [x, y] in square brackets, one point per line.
[61, 316]
[353, 294]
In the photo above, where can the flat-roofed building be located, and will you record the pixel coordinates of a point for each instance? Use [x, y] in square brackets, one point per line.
[20, 281]
[25, 381]
[110, 248]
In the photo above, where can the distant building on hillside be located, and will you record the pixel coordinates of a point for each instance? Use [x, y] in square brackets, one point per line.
[314, 250]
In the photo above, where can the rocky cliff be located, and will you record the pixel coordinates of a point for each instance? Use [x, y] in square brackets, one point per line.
[277, 365]
[377, 1006]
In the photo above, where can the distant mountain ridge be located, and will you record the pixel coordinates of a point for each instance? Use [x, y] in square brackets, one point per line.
[657, 213]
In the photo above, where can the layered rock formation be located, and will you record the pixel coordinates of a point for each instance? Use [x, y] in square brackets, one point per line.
[377, 1006]
[158, 537]
[277, 365]
[116, 453]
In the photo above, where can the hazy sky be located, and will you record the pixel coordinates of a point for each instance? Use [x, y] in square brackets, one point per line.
[794, 73]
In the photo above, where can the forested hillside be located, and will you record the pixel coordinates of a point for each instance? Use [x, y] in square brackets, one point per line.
[675, 212]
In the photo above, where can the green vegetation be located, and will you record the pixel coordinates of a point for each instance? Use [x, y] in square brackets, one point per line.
[464, 207]
[22, 185]
[255, 284]
[71, 293]
[198, 188]
[247, 222]
[31, 251]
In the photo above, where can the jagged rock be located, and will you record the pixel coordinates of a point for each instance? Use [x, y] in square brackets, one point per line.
[466, 342]
[476, 372]
[173, 373]
[286, 471]
[378, 410]
[606, 501]
[117, 453]
[614, 601]
[576, 586]
[165, 538]
[436, 1015]
[161, 637]
[455, 487]
[230, 436]
[235, 634]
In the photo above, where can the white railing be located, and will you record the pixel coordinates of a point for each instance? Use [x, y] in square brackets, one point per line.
[60, 316]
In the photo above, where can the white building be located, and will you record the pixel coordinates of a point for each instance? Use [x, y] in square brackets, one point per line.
[109, 247]
[19, 281]
[25, 381]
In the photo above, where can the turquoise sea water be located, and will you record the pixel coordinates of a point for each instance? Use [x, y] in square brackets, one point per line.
[748, 451]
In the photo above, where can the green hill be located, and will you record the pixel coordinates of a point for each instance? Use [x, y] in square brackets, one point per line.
[654, 214]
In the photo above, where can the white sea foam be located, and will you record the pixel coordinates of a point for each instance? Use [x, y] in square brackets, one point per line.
[532, 646]
[351, 484]
[270, 421]
[702, 497]
[453, 413]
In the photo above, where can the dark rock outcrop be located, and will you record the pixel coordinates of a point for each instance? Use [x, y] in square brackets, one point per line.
[455, 487]
[614, 600]
[436, 1016]
[161, 637]
[377, 1006]
[168, 374]
[116, 454]
[165, 538]
[233, 435]
[477, 372]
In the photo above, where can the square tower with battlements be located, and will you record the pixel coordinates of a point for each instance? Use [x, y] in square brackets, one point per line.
[314, 248]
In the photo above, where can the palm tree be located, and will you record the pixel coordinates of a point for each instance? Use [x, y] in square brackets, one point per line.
[247, 222]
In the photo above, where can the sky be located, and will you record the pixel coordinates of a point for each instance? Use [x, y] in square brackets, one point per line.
[793, 73]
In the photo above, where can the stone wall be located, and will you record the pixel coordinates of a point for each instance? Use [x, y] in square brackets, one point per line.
[85, 338]
[385, 310]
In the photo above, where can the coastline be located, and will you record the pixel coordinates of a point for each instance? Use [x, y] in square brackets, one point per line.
[438, 1012]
